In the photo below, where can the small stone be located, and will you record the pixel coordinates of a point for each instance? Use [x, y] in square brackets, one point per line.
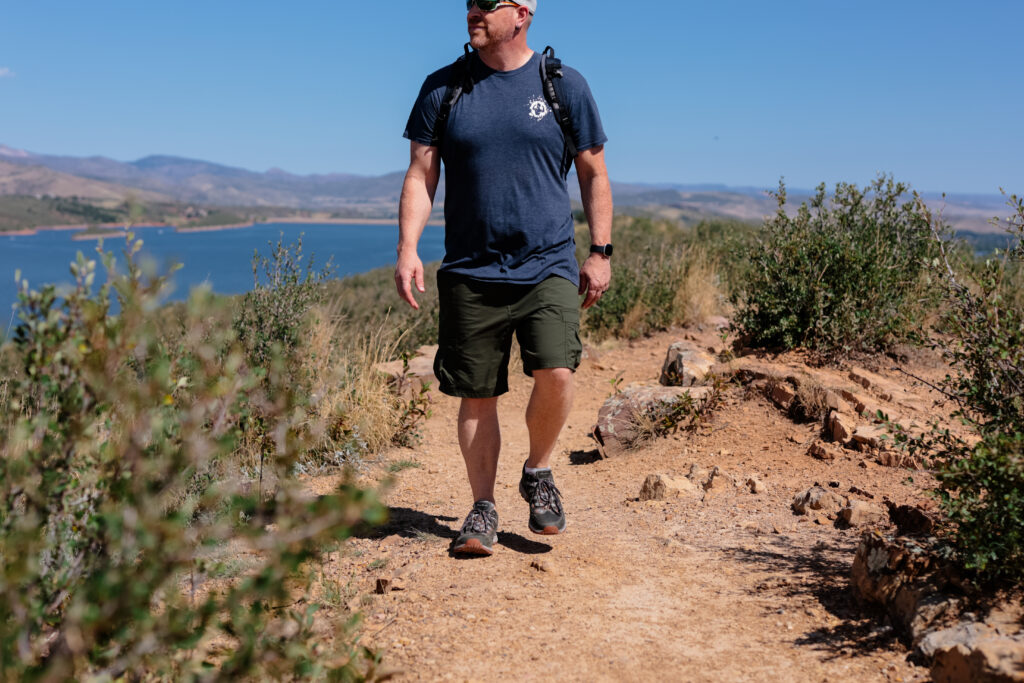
[756, 485]
[661, 486]
[822, 451]
[782, 395]
[685, 365]
[543, 565]
[387, 584]
[861, 492]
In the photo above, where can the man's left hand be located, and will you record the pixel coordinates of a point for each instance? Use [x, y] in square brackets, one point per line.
[595, 278]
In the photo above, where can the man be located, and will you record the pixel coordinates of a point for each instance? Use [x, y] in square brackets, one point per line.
[510, 262]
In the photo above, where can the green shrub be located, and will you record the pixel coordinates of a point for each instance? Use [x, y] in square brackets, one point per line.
[980, 473]
[271, 316]
[104, 573]
[843, 274]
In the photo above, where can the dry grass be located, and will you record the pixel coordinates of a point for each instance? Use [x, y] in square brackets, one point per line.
[350, 397]
[701, 295]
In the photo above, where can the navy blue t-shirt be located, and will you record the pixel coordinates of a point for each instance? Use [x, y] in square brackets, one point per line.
[507, 212]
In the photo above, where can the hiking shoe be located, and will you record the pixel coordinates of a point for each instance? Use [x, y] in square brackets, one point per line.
[479, 531]
[546, 513]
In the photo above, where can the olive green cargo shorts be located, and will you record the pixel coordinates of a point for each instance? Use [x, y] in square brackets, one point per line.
[477, 320]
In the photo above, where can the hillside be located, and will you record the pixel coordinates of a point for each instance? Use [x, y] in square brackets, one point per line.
[31, 179]
[201, 182]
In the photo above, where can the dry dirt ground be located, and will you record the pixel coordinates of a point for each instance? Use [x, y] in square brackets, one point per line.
[736, 588]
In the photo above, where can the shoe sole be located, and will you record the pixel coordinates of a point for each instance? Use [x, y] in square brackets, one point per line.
[549, 530]
[473, 547]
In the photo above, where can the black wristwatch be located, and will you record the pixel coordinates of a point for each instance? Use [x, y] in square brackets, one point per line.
[603, 249]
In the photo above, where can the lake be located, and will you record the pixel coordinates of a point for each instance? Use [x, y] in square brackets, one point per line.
[222, 258]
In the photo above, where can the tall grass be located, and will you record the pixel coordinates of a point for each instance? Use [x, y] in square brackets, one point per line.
[663, 275]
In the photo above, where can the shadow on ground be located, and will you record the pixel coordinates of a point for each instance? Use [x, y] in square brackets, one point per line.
[584, 457]
[409, 523]
[821, 572]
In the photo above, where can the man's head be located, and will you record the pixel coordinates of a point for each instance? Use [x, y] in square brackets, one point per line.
[502, 21]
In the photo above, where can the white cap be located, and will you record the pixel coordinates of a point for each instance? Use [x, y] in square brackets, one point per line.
[531, 4]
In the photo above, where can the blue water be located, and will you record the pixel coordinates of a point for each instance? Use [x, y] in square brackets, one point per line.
[221, 258]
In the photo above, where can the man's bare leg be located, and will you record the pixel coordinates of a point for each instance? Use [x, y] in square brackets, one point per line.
[547, 412]
[480, 441]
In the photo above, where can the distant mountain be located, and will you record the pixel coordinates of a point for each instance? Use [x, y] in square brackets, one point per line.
[27, 179]
[193, 180]
[203, 182]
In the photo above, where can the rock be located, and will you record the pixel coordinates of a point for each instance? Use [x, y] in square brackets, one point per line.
[870, 435]
[832, 400]
[841, 426]
[884, 564]
[816, 498]
[756, 485]
[822, 451]
[617, 431]
[782, 395]
[972, 652]
[856, 490]
[387, 584]
[685, 365]
[543, 565]
[660, 487]
[698, 475]
[911, 520]
[718, 482]
[859, 513]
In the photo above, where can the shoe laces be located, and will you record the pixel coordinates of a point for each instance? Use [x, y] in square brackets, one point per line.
[547, 496]
[477, 521]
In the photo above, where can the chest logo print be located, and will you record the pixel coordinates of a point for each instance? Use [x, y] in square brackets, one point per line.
[538, 108]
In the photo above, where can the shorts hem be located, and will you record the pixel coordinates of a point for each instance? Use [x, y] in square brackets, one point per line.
[456, 393]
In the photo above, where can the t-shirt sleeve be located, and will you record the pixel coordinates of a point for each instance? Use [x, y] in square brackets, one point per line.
[420, 126]
[583, 111]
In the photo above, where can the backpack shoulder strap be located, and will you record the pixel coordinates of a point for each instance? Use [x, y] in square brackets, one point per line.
[551, 73]
[460, 81]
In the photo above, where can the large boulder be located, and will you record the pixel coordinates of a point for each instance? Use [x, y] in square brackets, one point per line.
[621, 418]
[686, 364]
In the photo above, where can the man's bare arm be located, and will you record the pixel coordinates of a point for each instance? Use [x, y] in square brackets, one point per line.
[413, 212]
[596, 191]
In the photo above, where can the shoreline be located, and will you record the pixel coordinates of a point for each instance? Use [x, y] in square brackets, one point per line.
[118, 229]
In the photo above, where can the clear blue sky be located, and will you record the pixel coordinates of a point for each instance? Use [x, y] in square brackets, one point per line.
[735, 92]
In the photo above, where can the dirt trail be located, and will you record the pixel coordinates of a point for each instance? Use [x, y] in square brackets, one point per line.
[736, 588]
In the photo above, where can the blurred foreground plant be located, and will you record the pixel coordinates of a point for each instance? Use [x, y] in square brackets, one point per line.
[103, 572]
[981, 473]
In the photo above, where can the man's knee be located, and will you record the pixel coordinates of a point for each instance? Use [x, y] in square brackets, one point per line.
[554, 377]
[478, 408]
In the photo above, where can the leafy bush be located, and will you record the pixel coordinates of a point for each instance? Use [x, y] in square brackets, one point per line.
[271, 316]
[843, 274]
[981, 473]
[103, 572]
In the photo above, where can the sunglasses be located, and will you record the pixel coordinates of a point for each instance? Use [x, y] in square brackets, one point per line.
[489, 5]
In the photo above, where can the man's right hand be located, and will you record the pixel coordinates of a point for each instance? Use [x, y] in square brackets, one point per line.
[409, 271]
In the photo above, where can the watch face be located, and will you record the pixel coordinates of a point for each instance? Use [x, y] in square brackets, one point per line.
[605, 249]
